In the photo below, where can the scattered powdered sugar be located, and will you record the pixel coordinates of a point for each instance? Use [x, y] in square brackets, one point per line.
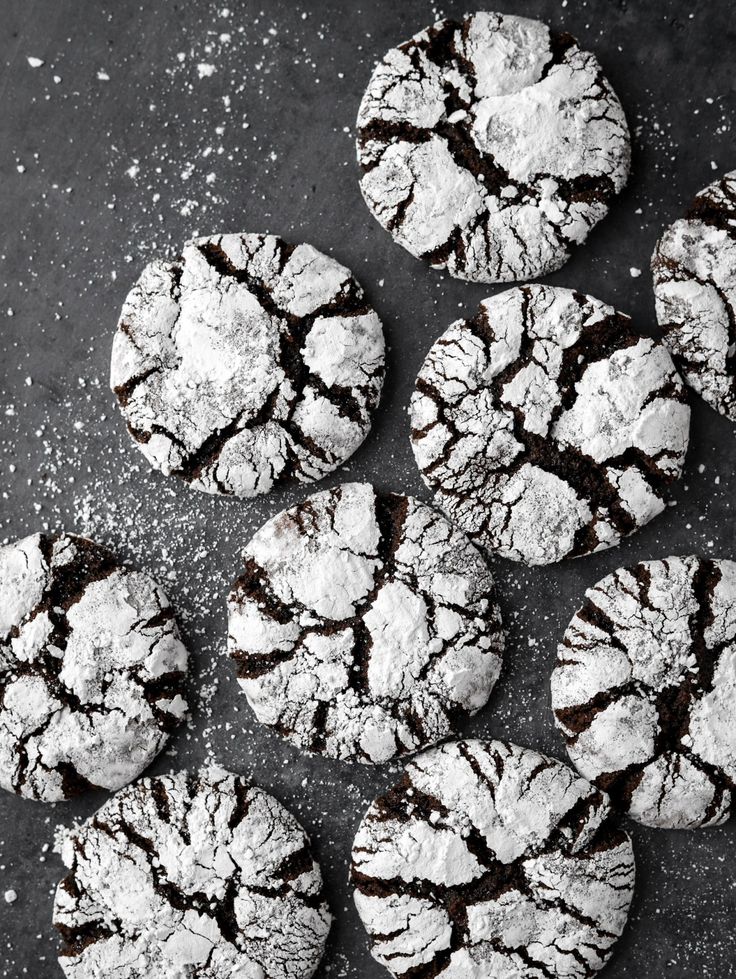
[275, 125]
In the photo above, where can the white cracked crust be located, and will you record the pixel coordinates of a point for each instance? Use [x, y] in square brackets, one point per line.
[490, 146]
[364, 625]
[694, 269]
[192, 874]
[546, 427]
[490, 861]
[91, 668]
[247, 363]
[645, 690]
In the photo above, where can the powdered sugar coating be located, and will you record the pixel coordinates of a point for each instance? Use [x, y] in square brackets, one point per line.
[191, 875]
[247, 363]
[491, 146]
[91, 668]
[491, 860]
[546, 427]
[694, 269]
[365, 625]
[645, 690]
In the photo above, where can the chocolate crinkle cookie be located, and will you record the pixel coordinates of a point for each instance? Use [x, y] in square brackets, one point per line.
[490, 860]
[364, 625]
[490, 146]
[191, 875]
[694, 269]
[645, 690]
[546, 427]
[247, 363]
[92, 669]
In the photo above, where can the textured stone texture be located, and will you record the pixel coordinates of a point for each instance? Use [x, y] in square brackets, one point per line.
[662, 64]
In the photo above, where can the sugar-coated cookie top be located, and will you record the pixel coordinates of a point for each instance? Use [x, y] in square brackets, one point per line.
[247, 363]
[490, 146]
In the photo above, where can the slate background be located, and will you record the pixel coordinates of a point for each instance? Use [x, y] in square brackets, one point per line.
[130, 152]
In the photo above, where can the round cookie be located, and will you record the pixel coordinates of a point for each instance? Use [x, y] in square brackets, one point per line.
[191, 875]
[694, 269]
[91, 668]
[490, 146]
[247, 363]
[645, 690]
[491, 860]
[364, 625]
[546, 427]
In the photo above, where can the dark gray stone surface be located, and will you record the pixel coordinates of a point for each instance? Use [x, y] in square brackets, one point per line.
[112, 164]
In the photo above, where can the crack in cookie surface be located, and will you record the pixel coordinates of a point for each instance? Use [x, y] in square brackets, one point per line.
[92, 669]
[694, 269]
[488, 859]
[247, 363]
[364, 625]
[191, 874]
[490, 146]
[645, 687]
[546, 427]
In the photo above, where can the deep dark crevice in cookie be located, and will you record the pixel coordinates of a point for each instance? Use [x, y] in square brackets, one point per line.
[79, 937]
[441, 254]
[297, 863]
[72, 782]
[714, 211]
[124, 392]
[215, 255]
[160, 800]
[560, 42]
[165, 688]
[241, 805]
[319, 727]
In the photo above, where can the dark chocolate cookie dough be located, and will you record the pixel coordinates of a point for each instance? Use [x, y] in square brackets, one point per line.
[694, 269]
[191, 875]
[490, 860]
